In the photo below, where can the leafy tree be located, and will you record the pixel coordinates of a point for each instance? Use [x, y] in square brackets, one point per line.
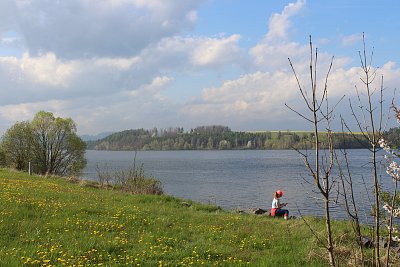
[17, 145]
[2, 157]
[49, 142]
[279, 135]
[210, 143]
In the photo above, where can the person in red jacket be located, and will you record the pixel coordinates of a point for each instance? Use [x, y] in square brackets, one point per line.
[276, 209]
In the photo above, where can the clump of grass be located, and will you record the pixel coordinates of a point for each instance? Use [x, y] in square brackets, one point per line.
[133, 181]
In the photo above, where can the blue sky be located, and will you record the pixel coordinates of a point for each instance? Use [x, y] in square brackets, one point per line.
[113, 65]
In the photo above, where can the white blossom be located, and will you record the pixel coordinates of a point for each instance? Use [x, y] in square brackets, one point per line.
[393, 169]
[395, 238]
[395, 212]
[383, 144]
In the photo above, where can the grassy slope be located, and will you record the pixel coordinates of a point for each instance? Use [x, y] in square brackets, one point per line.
[52, 222]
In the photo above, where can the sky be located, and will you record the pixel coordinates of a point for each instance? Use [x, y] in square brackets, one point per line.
[113, 65]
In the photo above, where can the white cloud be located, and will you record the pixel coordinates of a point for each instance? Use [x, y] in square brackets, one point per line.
[161, 81]
[47, 77]
[272, 52]
[39, 78]
[119, 64]
[43, 70]
[352, 39]
[279, 23]
[46, 70]
[191, 52]
[91, 28]
[275, 56]
[26, 111]
[252, 95]
[252, 101]
[154, 87]
[260, 97]
[211, 51]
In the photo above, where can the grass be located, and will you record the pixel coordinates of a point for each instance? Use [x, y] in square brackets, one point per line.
[53, 222]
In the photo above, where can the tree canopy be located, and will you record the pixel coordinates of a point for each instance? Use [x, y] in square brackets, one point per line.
[50, 143]
[216, 137]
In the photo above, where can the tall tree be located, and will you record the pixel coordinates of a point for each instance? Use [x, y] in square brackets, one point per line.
[49, 142]
[17, 145]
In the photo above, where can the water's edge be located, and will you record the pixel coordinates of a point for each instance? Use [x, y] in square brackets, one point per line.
[237, 179]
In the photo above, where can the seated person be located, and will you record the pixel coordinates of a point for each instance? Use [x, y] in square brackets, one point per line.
[276, 209]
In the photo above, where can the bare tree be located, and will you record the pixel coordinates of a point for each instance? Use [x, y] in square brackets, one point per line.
[369, 120]
[319, 114]
[347, 193]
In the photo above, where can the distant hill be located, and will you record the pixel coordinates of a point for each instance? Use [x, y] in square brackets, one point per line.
[86, 137]
[216, 137]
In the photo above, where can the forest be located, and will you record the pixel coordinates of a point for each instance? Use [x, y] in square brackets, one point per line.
[217, 137]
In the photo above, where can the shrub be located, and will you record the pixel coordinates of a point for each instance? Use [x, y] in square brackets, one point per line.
[136, 182]
[133, 181]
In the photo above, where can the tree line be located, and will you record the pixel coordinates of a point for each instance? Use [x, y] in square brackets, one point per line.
[217, 137]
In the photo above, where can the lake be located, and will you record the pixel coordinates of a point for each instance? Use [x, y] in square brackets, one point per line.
[240, 179]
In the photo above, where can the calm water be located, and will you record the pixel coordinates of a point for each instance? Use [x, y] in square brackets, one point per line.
[238, 179]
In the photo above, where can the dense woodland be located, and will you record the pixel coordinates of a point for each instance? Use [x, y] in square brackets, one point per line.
[222, 137]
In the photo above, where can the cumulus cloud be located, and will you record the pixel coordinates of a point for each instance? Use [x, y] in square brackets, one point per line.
[90, 28]
[254, 99]
[118, 64]
[217, 51]
[352, 39]
[279, 23]
[47, 77]
[272, 52]
[260, 97]
[154, 88]
[193, 52]
[127, 111]
[36, 78]
[9, 114]
[252, 93]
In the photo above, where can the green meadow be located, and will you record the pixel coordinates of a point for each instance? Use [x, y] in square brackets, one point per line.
[48, 221]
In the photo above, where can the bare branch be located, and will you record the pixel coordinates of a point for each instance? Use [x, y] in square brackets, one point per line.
[299, 85]
[298, 113]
